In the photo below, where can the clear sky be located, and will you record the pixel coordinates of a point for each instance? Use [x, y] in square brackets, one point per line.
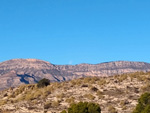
[75, 31]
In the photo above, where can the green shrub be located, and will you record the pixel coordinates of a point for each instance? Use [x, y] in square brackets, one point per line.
[44, 82]
[143, 105]
[84, 107]
[147, 109]
[64, 111]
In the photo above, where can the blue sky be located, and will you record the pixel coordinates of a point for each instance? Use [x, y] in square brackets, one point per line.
[75, 31]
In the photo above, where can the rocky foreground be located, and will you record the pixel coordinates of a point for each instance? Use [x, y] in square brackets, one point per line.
[114, 94]
[16, 72]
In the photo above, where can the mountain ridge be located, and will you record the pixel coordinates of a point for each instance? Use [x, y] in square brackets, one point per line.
[15, 72]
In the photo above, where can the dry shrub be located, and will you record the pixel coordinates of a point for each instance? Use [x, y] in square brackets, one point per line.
[100, 94]
[47, 105]
[2, 102]
[102, 82]
[94, 89]
[84, 85]
[55, 103]
[111, 109]
[89, 96]
[70, 100]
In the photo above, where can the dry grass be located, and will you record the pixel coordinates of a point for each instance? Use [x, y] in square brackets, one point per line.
[108, 92]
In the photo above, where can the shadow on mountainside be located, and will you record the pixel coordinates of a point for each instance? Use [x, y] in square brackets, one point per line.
[23, 78]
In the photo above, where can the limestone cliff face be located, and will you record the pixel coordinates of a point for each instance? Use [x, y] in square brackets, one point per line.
[107, 69]
[24, 71]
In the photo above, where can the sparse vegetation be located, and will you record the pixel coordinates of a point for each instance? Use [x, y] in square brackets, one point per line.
[2, 102]
[47, 105]
[111, 109]
[94, 89]
[55, 103]
[102, 82]
[100, 94]
[70, 100]
[64, 111]
[115, 94]
[84, 107]
[89, 96]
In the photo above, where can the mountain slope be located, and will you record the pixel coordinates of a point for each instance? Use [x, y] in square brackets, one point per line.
[114, 94]
[26, 71]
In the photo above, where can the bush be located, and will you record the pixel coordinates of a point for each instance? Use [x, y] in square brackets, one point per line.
[143, 105]
[44, 82]
[84, 107]
[64, 111]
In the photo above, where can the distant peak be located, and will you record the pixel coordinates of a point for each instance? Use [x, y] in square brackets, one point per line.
[29, 60]
[35, 60]
[122, 61]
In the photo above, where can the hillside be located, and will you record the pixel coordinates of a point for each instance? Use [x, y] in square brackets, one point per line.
[114, 94]
[27, 71]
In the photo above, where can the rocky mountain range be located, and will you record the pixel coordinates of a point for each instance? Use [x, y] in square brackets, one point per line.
[27, 71]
